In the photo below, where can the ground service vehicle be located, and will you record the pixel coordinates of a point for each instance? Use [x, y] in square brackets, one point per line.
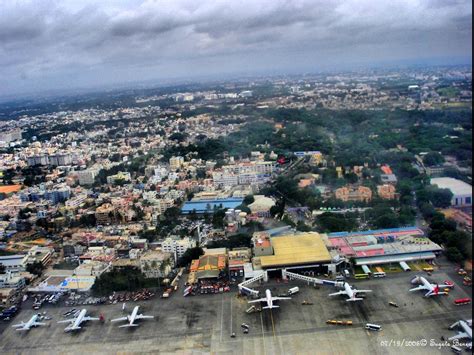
[374, 327]
[379, 274]
[346, 273]
[462, 301]
[293, 290]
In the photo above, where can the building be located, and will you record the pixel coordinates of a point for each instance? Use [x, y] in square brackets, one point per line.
[359, 193]
[43, 255]
[295, 251]
[386, 191]
[238, 257]
[389, 179]
[177, 247]
[261, 206]
[261, 244]
[120, 176]
[91, 268]
[462, 192]
[14, 263]
[155, 264]
[105, 214]
[176, 163]
[86, 177]
[208, 266]
[383, 246]
[208, 206]
[9, 280]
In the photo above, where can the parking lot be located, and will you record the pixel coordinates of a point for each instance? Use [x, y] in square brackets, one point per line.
[203, 323]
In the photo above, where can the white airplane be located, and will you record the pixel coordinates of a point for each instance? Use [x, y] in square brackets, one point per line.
[349, 291]
[466, 326]
[30, 324]
[75, 323]
[269, 300]
[132, 318]
[433, 289]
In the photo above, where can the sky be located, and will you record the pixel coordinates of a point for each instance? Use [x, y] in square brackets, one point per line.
[60, 45]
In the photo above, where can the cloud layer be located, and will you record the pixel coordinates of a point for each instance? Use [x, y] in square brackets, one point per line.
[59, 44]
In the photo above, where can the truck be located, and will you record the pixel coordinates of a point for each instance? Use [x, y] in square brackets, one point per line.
[346, 273]
[293, 290]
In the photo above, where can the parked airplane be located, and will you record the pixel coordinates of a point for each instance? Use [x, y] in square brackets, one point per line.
[132, 318]
[30, 324]
[269, 299]
[466, 326]
[75, 323]
[350, 291]
[433, 289]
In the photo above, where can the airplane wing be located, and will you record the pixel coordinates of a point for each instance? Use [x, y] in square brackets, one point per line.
[259, 300]
[121, 319]
[419, 288]
[337, 293]
[90, 318]
[67, 321]
[280, 298]
[362, 291]
[35, 324]
[141, 316]
[354, 299]
[19, 325]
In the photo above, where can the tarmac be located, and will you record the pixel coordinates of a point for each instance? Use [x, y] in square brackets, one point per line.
[202, 324]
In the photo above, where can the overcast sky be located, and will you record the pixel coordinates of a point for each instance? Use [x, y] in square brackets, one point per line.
[48, 45]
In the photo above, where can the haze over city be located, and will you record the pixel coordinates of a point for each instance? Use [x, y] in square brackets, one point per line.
[55, 45]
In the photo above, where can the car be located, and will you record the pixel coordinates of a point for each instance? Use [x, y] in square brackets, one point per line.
[245, 326]
[393, 304]
[232, 335]
[246, 331]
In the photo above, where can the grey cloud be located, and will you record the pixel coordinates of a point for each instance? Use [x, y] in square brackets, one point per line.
[51, 41]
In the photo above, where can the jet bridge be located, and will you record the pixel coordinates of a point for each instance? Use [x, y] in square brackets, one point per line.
[247, 290]
[308, 279]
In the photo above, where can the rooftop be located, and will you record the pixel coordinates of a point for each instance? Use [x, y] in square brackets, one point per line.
[305, 248]
[457, 187]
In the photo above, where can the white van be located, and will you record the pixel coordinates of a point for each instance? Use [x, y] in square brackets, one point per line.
[375, 327]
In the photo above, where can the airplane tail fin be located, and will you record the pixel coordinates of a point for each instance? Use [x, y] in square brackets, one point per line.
[268, 307]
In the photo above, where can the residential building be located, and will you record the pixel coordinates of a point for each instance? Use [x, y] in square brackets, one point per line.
[349, 193]
[386, 191]
[176, 163]
[177, 247]
[155, 263]
[86, 177]
[105, 214]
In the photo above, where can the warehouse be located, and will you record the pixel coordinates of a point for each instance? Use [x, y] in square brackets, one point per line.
[462, 192]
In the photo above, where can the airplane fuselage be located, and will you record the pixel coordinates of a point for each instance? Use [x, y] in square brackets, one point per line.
[133, 316]
[268, 296]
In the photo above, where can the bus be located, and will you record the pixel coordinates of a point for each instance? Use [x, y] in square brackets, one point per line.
[428, 269]
[361, 276]
[374, 327]
[379, 269]
[379, 274]
[461, 301]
